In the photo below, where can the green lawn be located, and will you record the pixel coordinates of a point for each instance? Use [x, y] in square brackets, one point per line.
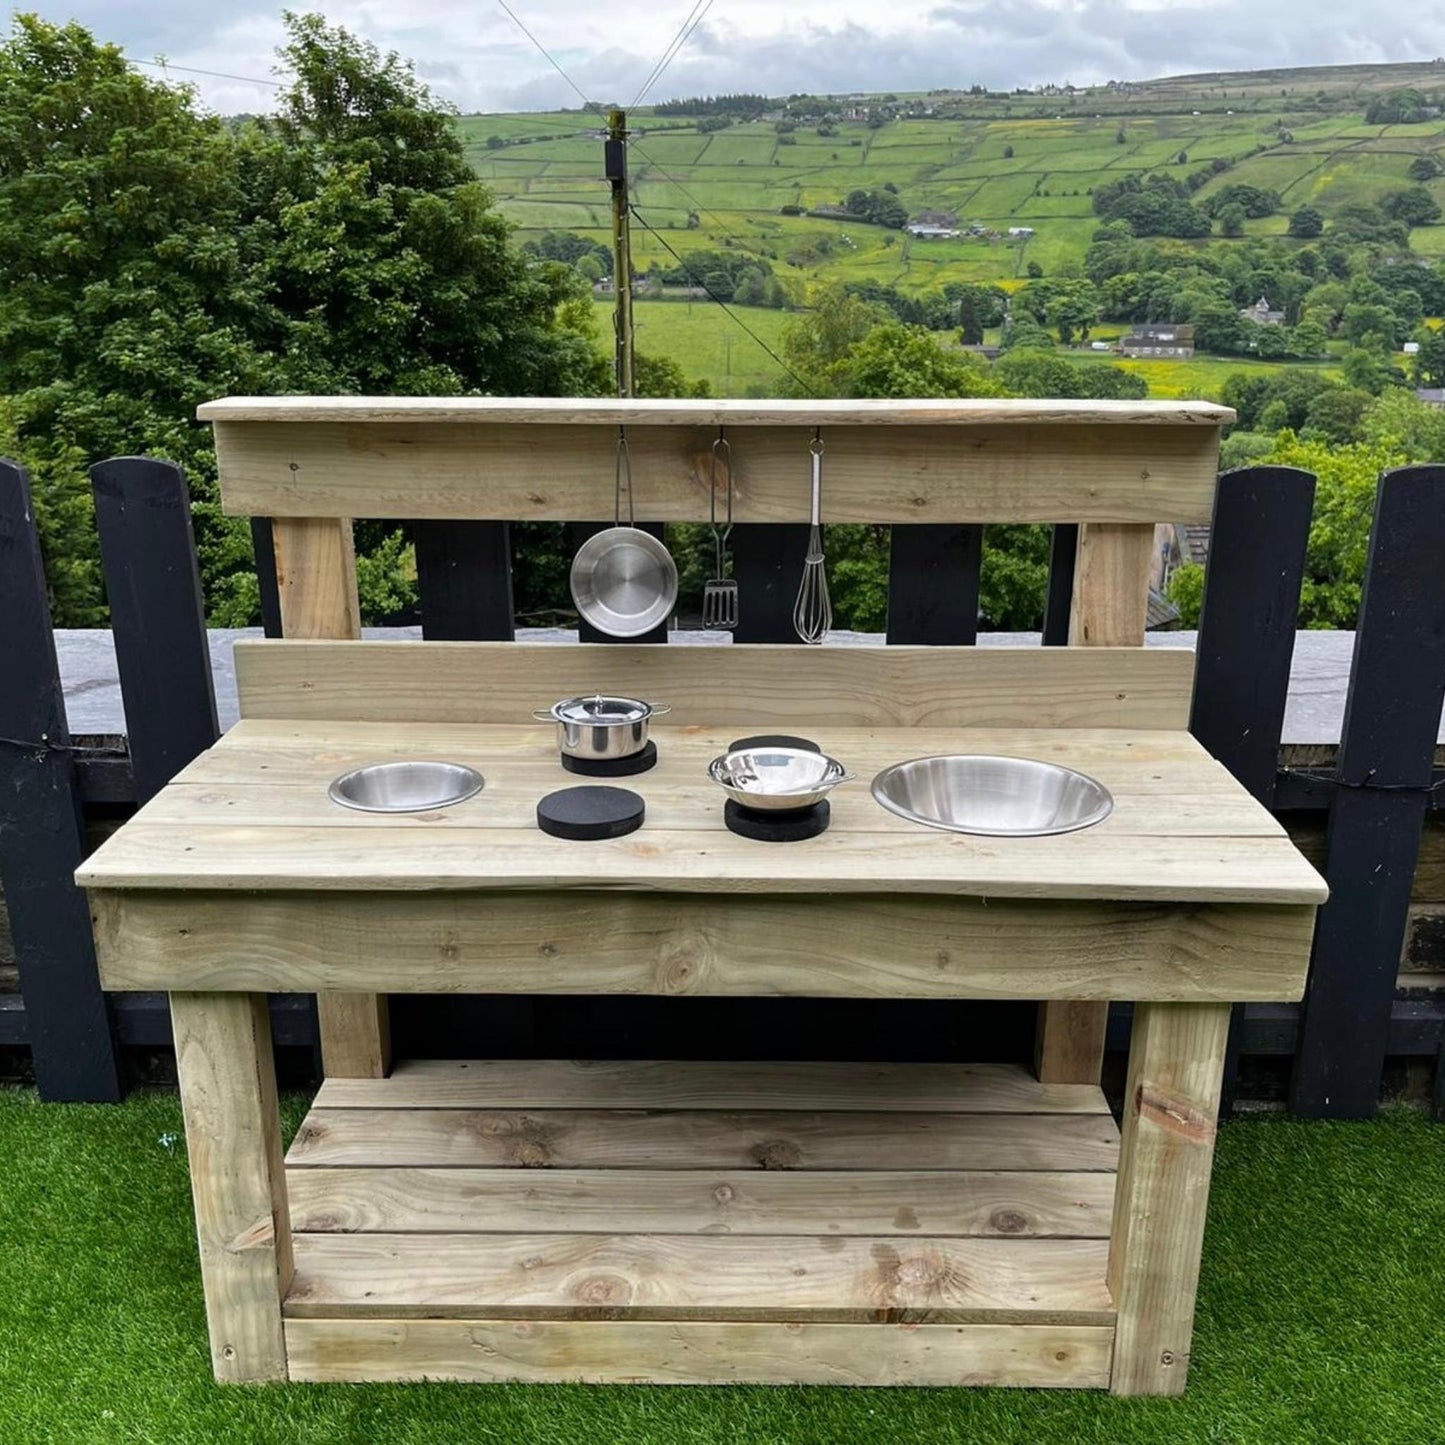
[1320, 1318]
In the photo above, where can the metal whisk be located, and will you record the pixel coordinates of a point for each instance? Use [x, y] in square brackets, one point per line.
[720, 592]
[813, 612]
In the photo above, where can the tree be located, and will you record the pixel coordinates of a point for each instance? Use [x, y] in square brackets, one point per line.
[1414, 207]
[1425, 168]
[1429, 366]
[970, 319]
[1008, 153]
[152, 258]
[1336, 414]
[1231, 220]
[1306, 223]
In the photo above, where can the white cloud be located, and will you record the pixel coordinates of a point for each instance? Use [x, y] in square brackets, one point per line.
[473, 55]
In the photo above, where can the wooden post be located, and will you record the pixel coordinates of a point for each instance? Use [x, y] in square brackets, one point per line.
[767, 562]
[41, 832]
[1110, 608]
[238, 1181]
[464, 576]
[1176, 1062]
[1063, 553]
[263, 545]
[316, 578]
[158, 620]
[933, 577]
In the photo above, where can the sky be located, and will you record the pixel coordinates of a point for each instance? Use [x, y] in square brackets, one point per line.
[474, 55]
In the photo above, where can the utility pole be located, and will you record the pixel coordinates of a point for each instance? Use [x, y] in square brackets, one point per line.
[616, 157]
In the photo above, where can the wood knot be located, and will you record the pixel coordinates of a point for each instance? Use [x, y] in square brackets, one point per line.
[1175, 1115]
[905, 1218]
[1008, 1221]
[777, 1154]
[602, 1289]
[724, 1193]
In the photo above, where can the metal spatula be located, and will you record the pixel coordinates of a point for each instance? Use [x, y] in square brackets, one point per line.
[720, 592]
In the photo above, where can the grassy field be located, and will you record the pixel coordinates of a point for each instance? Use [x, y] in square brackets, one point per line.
[1003, 161]
[1319, 1318]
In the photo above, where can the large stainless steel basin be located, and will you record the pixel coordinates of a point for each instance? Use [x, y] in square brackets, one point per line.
[998, 797]
[408, 787]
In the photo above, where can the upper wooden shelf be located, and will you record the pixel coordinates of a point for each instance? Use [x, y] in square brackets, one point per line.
[592, 412]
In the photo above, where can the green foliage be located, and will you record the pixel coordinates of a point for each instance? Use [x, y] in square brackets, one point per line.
[1400, 107]
[569, 248]
[152, 258]
[1306, 223]
[1153, 206]
[1425, 168]
[878, 208]
[1254, 201]
[1186, 592]
[1413, 207]
[1231, 221]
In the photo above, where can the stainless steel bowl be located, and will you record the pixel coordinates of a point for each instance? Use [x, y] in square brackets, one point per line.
[406, 787]
[601, 728]
[774, 779]
[997, 797]
[624, 581]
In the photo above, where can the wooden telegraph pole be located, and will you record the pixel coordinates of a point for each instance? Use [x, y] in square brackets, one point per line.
[616, 154]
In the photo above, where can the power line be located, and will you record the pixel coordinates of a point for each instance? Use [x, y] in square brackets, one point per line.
[692, 199]
[713, 296]
[214, 74]
[684, 34]
[547, 56]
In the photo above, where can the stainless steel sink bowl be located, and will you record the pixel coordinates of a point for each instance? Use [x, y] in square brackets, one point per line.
[997, 797]
[406, 787]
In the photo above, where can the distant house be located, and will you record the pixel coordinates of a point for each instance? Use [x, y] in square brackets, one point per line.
[1159, 340]
[1021, 231]
[944, 219]
[933, 233]
[1262, 314]
[1431, 395]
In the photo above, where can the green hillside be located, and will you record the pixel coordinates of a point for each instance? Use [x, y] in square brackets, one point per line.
[995, 161]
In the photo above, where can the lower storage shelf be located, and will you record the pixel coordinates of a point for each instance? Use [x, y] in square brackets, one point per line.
[703, 1222]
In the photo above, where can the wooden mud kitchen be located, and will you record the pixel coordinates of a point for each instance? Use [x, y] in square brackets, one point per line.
[841, 1223]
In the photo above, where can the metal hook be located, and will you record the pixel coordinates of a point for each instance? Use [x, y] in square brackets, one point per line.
[816, 445]
[624, 464]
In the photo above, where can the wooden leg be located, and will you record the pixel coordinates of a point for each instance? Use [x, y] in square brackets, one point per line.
[238, 1183]
[1069, 1044]
[355, 1035]
[1176, 1063]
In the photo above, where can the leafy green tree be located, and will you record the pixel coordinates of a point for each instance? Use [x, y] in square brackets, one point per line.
[1306, 223]
[1231, 221]
[1398, 421]
[1336, 414]
[1425, 168]
[1429, 365]
[1414, 207]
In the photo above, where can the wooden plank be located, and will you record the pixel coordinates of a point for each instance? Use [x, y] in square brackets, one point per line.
[609, 411]
[1176, 1062]
[1109, 609]
[690, 1352]
[157, 616]
[744, 686]
[698, 1084]
[1392, 714]
[572, 1276]
[464, 578]
[695, 1139]
[1014, 470]
[688, 944]
[316, 573]
[316, 580]
[933, 581]
[669, 1201]
[42, 834]
[238, 1184]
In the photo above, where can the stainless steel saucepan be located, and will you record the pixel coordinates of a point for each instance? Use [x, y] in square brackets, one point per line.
[599, 728]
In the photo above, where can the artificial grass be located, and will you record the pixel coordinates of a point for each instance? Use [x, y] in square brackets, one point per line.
[1321, 1317]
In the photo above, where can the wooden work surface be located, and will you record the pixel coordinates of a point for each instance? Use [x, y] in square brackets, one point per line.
[252, 813]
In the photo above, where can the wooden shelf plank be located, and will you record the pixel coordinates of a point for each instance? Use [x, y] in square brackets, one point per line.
[686, 1352]
[661, 1084]
[693, 1140]
[669, 1201]
[929, 1280]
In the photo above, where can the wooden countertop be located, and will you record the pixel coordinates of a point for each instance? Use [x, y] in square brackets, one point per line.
[252, 813]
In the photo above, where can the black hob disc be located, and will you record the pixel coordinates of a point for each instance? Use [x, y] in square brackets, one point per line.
[792, 825]
[587, 814]
[773, 740]
[627, 767]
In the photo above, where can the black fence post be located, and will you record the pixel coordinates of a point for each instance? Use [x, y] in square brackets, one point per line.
[1063, 553]
[933, 580]
[768, 565]
[263, 545]
[158, 621]
[1392, 717]
[42, 837]
[464, 578]
[1257, 543]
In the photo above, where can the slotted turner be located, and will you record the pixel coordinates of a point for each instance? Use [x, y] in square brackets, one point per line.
[720, 592]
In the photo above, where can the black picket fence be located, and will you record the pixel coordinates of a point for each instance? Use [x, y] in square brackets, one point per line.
[1376, 797]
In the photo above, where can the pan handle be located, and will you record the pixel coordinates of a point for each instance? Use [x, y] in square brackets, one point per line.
[658, 708]
[544, 714]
